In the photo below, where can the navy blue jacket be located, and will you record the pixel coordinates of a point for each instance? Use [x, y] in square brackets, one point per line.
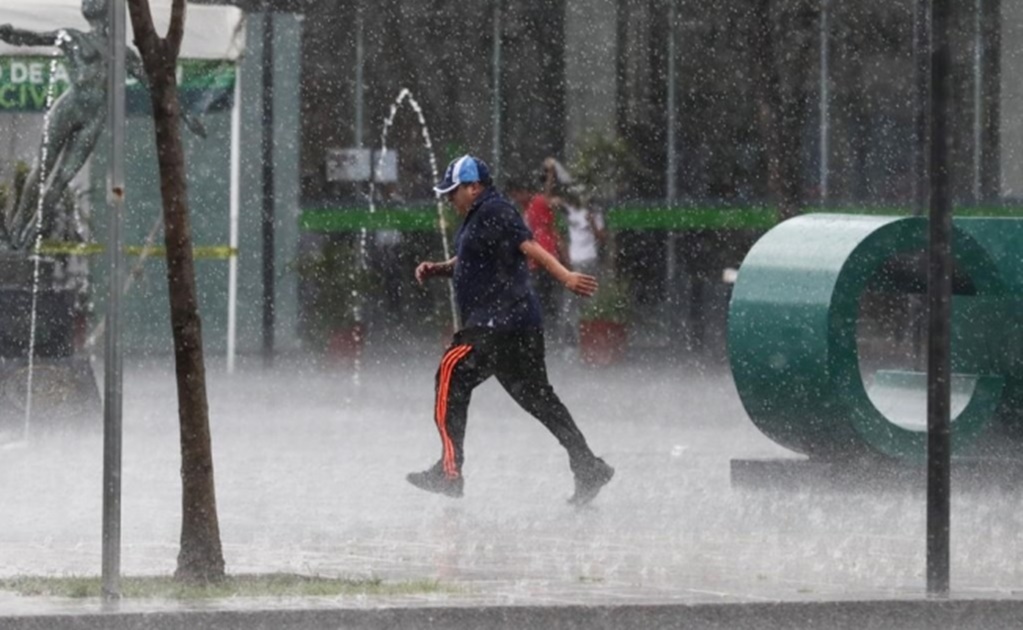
[492, 288]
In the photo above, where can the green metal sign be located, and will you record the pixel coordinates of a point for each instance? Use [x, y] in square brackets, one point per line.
[26, 81]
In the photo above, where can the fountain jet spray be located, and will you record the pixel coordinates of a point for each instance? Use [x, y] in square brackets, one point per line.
[62, 37]
[406, 95]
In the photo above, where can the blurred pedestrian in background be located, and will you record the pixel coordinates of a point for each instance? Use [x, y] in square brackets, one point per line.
[540, 219]
[586, 236]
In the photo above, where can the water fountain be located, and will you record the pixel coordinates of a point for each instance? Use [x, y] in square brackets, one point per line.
[353, 338]
[37, 226]
[405, 95]
[39, 371]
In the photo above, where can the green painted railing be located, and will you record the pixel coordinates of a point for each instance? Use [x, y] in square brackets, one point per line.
[349, 219]
[422, 217]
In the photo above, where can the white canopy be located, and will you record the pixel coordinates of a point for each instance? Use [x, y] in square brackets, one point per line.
[211, 32]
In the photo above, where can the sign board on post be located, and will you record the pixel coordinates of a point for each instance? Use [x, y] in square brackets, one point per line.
[356, 164]
[348, 165]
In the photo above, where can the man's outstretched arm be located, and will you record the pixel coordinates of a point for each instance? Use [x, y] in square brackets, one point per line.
[578, 283]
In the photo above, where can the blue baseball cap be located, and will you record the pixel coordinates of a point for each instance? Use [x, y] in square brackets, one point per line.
[464, 170]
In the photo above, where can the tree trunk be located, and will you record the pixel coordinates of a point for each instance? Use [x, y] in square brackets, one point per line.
[201, 558]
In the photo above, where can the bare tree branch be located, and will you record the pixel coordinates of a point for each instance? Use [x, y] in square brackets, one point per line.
[177, 27]
[142, 26]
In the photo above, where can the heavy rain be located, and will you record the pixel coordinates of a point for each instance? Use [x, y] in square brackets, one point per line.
[555, 313]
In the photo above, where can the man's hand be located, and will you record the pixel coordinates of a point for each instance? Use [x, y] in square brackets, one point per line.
[428, 269]
[581, 284]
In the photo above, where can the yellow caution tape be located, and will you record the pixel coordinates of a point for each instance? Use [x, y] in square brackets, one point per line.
[53, 248]
[201, 252]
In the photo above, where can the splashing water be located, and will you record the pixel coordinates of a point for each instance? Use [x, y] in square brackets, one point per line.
[62, 37]
[405, 95]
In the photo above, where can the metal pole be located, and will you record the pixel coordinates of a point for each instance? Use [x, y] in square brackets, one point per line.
[234, 206]
[496, 157]
[921, 187]
[825, 100]
[989, 101]
[921, 145]
[112, 372]
[268, 185]
[978, 103]
[939, 291]
[359, 67]
[671, 176]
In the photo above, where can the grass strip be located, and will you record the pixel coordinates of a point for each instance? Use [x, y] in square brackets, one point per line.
[243, 585]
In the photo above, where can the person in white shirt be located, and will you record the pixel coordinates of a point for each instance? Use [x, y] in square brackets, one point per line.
[586, 234]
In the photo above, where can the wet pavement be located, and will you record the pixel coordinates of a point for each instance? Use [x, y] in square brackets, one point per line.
[310, 464]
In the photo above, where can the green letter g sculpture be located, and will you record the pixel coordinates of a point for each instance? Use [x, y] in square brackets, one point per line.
[793, 321]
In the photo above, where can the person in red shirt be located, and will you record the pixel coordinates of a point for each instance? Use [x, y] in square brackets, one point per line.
[539, 218]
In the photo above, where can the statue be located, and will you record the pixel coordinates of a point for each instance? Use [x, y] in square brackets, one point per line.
[74, 123]
[41, 306]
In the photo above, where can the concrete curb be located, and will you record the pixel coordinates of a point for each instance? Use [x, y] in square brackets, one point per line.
[855, 615]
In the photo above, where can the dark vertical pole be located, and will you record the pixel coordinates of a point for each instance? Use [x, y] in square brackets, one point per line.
[672, 293]
[922, 93]
[360, 66]
[979, 48]
[824, 100]
[991, 35]
[921, 150]
[112, 367]
[671, 118]
[268, 185]
[496, 105]
[939, 290]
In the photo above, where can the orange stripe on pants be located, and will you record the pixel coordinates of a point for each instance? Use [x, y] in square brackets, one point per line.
[447, 367]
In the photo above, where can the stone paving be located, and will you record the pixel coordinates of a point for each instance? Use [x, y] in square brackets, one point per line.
[310, 463]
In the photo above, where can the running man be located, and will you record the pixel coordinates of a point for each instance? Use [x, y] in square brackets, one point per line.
[502, 330]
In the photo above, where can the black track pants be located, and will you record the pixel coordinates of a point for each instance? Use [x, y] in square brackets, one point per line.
[517, 360]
